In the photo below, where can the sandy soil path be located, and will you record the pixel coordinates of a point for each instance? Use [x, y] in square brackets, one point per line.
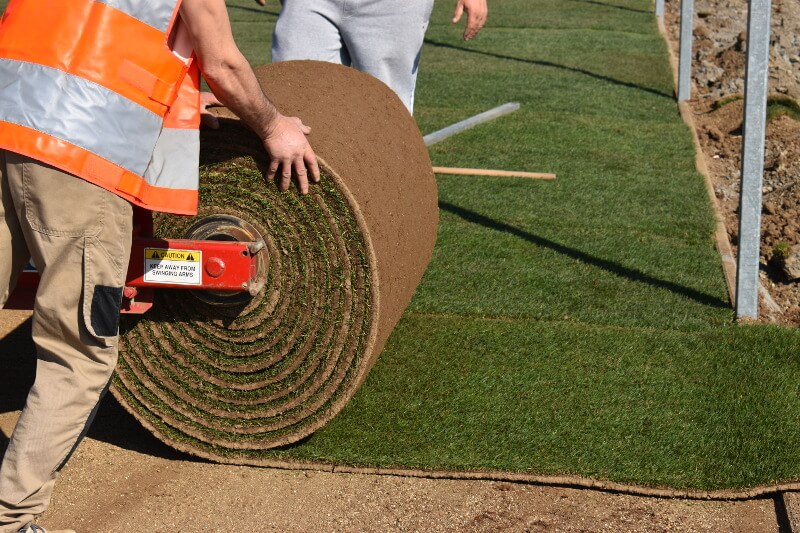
[122, 480]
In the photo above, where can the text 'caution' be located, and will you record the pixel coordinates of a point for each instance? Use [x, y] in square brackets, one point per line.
[173, 266]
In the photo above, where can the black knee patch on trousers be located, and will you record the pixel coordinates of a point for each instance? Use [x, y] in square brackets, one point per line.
[105, 310]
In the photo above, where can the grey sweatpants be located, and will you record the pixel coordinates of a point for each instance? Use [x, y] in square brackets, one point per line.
[380, 37]
[79, 236]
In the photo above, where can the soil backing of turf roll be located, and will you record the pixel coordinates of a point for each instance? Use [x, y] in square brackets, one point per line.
[364, 132]
[228, 383]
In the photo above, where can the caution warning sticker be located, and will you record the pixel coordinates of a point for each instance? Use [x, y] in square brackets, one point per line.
[173, 266]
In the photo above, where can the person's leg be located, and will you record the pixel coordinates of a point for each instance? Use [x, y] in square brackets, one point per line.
[384, 39]
[309, 29]
[80, 238]
[13, 251]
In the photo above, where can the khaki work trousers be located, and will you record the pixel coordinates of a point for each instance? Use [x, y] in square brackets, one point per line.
[79, 237]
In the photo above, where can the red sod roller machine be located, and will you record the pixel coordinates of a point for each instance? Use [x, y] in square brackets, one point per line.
[223, 259]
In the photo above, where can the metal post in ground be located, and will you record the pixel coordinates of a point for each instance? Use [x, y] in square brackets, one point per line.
[685, 59]
[754, 129]
[659, 8]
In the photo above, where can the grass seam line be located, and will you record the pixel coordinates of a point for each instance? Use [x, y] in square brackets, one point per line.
[589, 325]
[553, 28]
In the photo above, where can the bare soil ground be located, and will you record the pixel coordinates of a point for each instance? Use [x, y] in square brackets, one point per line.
[718, 76]
[122, 480]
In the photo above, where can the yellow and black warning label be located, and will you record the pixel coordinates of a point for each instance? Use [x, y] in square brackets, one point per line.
[173, 255]
[163, 265]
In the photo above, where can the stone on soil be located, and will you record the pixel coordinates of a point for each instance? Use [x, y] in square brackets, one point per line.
[791, 266]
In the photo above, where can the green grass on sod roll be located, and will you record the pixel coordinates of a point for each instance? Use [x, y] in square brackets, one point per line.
[223, 388]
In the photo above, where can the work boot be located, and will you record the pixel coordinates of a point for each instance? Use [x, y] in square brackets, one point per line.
[33, 528]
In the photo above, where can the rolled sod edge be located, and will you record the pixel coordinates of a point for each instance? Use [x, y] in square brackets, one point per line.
[195, 442]
[388, 192]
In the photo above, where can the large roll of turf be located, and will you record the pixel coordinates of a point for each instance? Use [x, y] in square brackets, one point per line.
[228, 382]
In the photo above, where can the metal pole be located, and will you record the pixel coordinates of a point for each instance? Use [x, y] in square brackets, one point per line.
[754, 128]
[685, 61]
[659, 8]
[458, 127]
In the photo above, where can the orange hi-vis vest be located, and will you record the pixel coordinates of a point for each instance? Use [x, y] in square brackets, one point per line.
[92, 87]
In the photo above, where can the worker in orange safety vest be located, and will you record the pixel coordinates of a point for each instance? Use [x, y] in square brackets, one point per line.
[99, 110]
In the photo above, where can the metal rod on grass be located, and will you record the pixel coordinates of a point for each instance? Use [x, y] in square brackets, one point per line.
[458, 127]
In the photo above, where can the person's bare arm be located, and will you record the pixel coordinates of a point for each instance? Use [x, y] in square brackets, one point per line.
[233, 82]
[477, 11]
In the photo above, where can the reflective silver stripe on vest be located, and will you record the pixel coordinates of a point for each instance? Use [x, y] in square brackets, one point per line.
[78, 111]
[175, 160]
[155, 13]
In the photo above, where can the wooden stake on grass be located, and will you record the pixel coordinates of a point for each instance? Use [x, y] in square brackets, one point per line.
[489, 172]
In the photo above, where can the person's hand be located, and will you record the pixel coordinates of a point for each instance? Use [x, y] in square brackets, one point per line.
[477, 11]
[290, 153]
[208, 100]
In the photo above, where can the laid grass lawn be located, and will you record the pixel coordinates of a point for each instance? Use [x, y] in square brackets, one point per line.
[579, 326]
